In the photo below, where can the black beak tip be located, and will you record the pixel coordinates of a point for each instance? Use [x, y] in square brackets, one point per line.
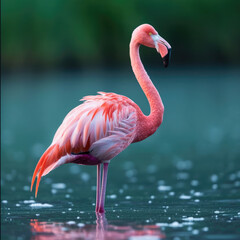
[165, 62]
[166, 59]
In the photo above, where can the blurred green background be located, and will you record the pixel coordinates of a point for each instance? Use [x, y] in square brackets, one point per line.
[75, 34]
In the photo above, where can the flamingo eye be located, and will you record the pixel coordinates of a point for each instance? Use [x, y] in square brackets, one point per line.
[150, 34]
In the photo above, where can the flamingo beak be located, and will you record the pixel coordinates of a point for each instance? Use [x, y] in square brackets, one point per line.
[163, 47]
[167, 58]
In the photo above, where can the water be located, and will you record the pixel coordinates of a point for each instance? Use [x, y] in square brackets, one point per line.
[181, 183]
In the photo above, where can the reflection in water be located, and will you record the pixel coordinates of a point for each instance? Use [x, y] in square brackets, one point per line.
[101, 231]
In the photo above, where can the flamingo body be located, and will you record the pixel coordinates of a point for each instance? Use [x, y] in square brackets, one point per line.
[104, 125]
[92, 133]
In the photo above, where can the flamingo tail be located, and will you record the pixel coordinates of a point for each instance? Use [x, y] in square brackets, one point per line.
[46, 163]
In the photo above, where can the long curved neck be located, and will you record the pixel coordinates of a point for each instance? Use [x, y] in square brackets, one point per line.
[147, 125]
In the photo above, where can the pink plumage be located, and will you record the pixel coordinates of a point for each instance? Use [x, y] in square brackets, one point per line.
[104, 125]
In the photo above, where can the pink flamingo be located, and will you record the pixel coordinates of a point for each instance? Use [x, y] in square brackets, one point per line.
[104, 125]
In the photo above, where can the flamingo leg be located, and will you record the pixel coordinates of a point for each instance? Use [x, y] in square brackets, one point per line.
[98, 187]
[103, 190]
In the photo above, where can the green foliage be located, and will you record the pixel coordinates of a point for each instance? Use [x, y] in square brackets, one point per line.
[58, 33]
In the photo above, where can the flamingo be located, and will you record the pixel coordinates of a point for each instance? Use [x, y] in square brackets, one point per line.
[104, 125]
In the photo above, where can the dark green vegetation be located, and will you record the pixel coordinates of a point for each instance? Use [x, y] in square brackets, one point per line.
[182, 183]
[72, 34]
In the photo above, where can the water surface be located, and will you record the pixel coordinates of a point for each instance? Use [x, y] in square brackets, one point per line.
[181, 183]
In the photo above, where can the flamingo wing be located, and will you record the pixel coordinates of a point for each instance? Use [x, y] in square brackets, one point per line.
[102, 127]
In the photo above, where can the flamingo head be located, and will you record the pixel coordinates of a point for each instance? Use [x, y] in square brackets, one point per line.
[148, 36]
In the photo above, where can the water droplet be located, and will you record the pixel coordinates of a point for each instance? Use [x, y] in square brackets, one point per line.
[161, 224]
[183, 164]
[59, 185]
[74, 169]
[40, 205]
[28, 201]
[26, 188]
[195, 232]
[85, 177]
[232, 177]
[214, 178]
[194, 183]
[176, 238]
[198, 194]
[185, 197]
[113, 196]
[53, 191]
[214, 186]
[164, 188]
[182, 176]
[175, 224]
[71, 222]
[161, 182]
[189, 228]
[151, 168]
[205, 229]
[237, 184]
[81, 224]
[120, 191]
[193, 219]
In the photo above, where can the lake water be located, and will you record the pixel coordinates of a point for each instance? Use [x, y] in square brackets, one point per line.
[181, 183]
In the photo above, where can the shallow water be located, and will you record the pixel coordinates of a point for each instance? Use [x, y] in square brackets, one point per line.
[181, 183]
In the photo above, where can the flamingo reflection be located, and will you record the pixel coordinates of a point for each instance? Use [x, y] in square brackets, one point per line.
[101, 231]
